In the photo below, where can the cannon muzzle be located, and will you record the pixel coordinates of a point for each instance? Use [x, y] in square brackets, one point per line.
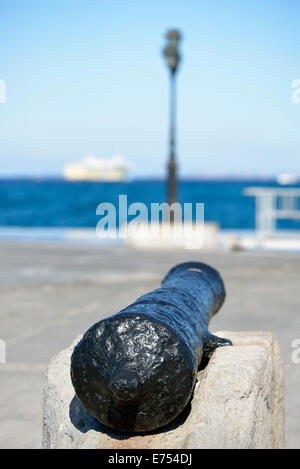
[136, 370]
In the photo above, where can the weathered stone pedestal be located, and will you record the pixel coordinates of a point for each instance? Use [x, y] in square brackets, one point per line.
[238, 402]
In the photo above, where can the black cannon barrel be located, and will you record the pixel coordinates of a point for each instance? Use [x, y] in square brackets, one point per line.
[136, 370]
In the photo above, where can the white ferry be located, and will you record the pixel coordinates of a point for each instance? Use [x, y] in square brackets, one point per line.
[90, 168]
[285, 179]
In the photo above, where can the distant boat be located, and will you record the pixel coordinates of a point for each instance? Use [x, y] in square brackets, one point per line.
[90, 168]
[285, 179]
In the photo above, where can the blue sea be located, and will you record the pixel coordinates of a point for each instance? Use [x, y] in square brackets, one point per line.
[55, 203]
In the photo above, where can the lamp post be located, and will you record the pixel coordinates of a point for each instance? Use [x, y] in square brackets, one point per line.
[172, 56]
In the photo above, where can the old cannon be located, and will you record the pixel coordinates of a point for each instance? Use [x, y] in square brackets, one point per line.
[136, 370]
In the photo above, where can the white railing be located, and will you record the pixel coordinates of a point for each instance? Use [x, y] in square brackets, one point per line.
[273, 203]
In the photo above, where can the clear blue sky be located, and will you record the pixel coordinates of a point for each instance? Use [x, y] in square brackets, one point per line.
[88, 76]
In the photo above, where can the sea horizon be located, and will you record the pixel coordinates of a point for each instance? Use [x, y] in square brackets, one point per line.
[200, 177]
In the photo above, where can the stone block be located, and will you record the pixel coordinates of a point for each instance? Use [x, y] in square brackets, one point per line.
[238, 402]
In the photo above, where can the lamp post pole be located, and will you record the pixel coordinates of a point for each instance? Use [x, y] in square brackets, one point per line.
[172, 166]
[172, 57]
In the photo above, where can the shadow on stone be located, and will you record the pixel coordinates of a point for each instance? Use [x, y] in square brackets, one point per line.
[84, 422]
[81, 419]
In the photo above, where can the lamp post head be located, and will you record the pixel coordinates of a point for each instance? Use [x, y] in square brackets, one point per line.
[170, 51]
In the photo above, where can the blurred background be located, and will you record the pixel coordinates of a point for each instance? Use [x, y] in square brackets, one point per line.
[85, 116]
[86, 84]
